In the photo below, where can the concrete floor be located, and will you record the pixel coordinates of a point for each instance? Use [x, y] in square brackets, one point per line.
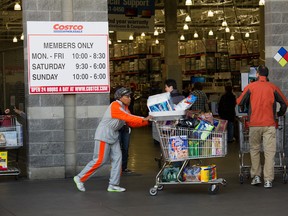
[60, 197]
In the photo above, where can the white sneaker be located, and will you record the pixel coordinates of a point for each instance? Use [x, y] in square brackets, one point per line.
[256, 180]
[79, 184]
[267, 184]
[114, 188]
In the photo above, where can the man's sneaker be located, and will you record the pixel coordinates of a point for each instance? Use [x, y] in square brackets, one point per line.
[114, 188]
[267, 184]
[126, 171]
[256, 180]
[79, 184]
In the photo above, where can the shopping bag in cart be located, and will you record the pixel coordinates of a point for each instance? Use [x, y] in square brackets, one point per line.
[6, 121]
[202, 130]
[170, 174]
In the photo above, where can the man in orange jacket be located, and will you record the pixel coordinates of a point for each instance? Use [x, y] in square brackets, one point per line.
[260, 97]
[107, 146]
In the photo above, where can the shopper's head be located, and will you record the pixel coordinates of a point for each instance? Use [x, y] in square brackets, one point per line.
[123, 94]
[263, 70]
[170, 85]
[228, 88]
[198, 86]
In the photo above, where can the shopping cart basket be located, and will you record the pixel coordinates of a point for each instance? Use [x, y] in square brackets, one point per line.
[280, 165]
[196, 145]
[11, 138]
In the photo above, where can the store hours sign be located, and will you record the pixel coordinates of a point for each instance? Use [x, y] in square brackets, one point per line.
[68, 57]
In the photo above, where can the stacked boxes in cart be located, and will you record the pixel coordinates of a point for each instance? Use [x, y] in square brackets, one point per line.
[205, 140]
[197, 136]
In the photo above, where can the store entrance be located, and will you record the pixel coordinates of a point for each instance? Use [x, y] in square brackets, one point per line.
[13, 125]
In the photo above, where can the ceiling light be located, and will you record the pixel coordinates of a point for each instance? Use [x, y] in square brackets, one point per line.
[156, 33]
[156, 41]
[262, 2]
[119, 41]
[224, 23]
[232, 37]
[111, 31]
[247, 35]
[188, 2]
[195, 35]
[109, 42]
[188, 18]
[143, 34]
[185, 27]
[210, 33]
[131, 37]
[182, 37]
[17, 6]
[227, 29]
[210, 13]
[15, 40]
[22, 36]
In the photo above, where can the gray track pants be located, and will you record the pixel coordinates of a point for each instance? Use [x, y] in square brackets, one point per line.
[103, 153]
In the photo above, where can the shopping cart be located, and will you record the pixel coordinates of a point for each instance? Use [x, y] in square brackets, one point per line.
[200, 145]
[280, 165]
[11, 138]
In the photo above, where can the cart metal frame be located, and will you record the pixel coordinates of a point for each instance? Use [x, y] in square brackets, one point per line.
[280, 164]
[166, 128]
[14, 126]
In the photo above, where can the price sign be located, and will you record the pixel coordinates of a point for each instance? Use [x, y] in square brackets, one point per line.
[68, 57]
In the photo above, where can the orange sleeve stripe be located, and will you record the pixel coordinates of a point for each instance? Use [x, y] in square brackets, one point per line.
[98, 162]
[131, 120]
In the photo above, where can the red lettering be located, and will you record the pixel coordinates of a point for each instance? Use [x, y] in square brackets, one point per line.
[67, 27]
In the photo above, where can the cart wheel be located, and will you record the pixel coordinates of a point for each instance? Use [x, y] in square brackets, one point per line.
[213, 189]
[153, 191]
[160, 187]
[241, 178]
[224, 182]
[285, 178]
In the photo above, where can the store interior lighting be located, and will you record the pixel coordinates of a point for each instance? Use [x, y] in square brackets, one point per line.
[232, 37]
[131, 37]
[195, 35]
[119, 41]
[262, 2]
[17, 6]
[247, 35]
[185, 27]
[188, 18]
[210, 13]
[156, 41]
[188, 2]
[156, 33]
[15, 40]
[227, 29]
[22, 36]
[211, 33]
[182, 37]
[142, 34]
[224, 23]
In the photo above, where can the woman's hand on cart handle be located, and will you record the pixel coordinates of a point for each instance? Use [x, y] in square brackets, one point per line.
[149, 117]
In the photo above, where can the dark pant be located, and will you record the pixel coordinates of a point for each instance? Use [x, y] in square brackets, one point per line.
[124, 142]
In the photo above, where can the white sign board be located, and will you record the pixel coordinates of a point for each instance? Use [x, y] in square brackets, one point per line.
[68, 57]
